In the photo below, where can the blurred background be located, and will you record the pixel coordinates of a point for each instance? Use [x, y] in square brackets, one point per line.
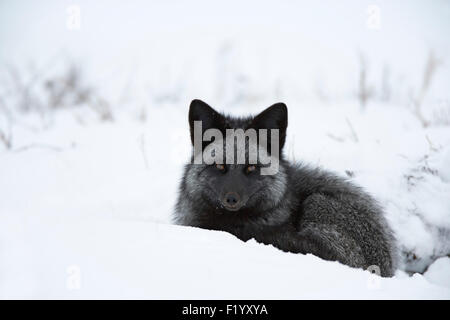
[166, 52]
[94, 98]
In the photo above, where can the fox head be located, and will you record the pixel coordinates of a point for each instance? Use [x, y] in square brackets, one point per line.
[234, 182]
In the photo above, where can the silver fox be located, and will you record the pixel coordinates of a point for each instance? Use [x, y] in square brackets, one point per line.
[299, 209]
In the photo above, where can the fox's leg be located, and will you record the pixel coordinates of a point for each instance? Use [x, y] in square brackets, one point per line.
[327, 243]
[324, 231]
[319, 240]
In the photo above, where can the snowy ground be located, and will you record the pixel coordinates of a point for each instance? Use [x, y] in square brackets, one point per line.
[91, 157]
[122, 258]
[95, 200]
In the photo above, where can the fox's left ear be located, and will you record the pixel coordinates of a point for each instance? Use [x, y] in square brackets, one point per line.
[210, 118]
[274, 117]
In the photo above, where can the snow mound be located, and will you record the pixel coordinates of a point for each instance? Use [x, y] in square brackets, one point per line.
[112, 258]
[439, 272]
[95, 199]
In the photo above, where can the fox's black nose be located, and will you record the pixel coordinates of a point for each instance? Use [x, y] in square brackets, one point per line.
[231, 200]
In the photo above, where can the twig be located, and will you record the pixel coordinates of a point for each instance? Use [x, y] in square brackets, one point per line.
[364, 91]
[6, 139]
[430, 70]
[38, 146]
[143, 150]
[354, 135]
[336, 138]
[430, 143]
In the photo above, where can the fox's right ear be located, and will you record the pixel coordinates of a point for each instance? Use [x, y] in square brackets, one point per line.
[210, 118]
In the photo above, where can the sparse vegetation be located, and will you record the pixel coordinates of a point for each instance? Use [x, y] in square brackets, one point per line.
[58, 85]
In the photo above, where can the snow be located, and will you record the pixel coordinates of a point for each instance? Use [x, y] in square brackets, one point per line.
[86, 203]
[439, 272]
[122, 258]
[86, 197]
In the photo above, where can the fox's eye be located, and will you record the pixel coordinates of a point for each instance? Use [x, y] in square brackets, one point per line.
[250, 169]
[221, 167]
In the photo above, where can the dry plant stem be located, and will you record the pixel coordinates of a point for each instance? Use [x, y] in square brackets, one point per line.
[364, 90]
[429, 72]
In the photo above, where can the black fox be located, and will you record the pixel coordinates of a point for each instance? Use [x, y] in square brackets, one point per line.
[298, 209]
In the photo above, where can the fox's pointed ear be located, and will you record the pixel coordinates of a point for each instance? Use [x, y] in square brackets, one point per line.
[210, 118]
[274, 117]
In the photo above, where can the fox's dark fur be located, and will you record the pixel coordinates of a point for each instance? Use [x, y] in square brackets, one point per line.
[300, 209]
